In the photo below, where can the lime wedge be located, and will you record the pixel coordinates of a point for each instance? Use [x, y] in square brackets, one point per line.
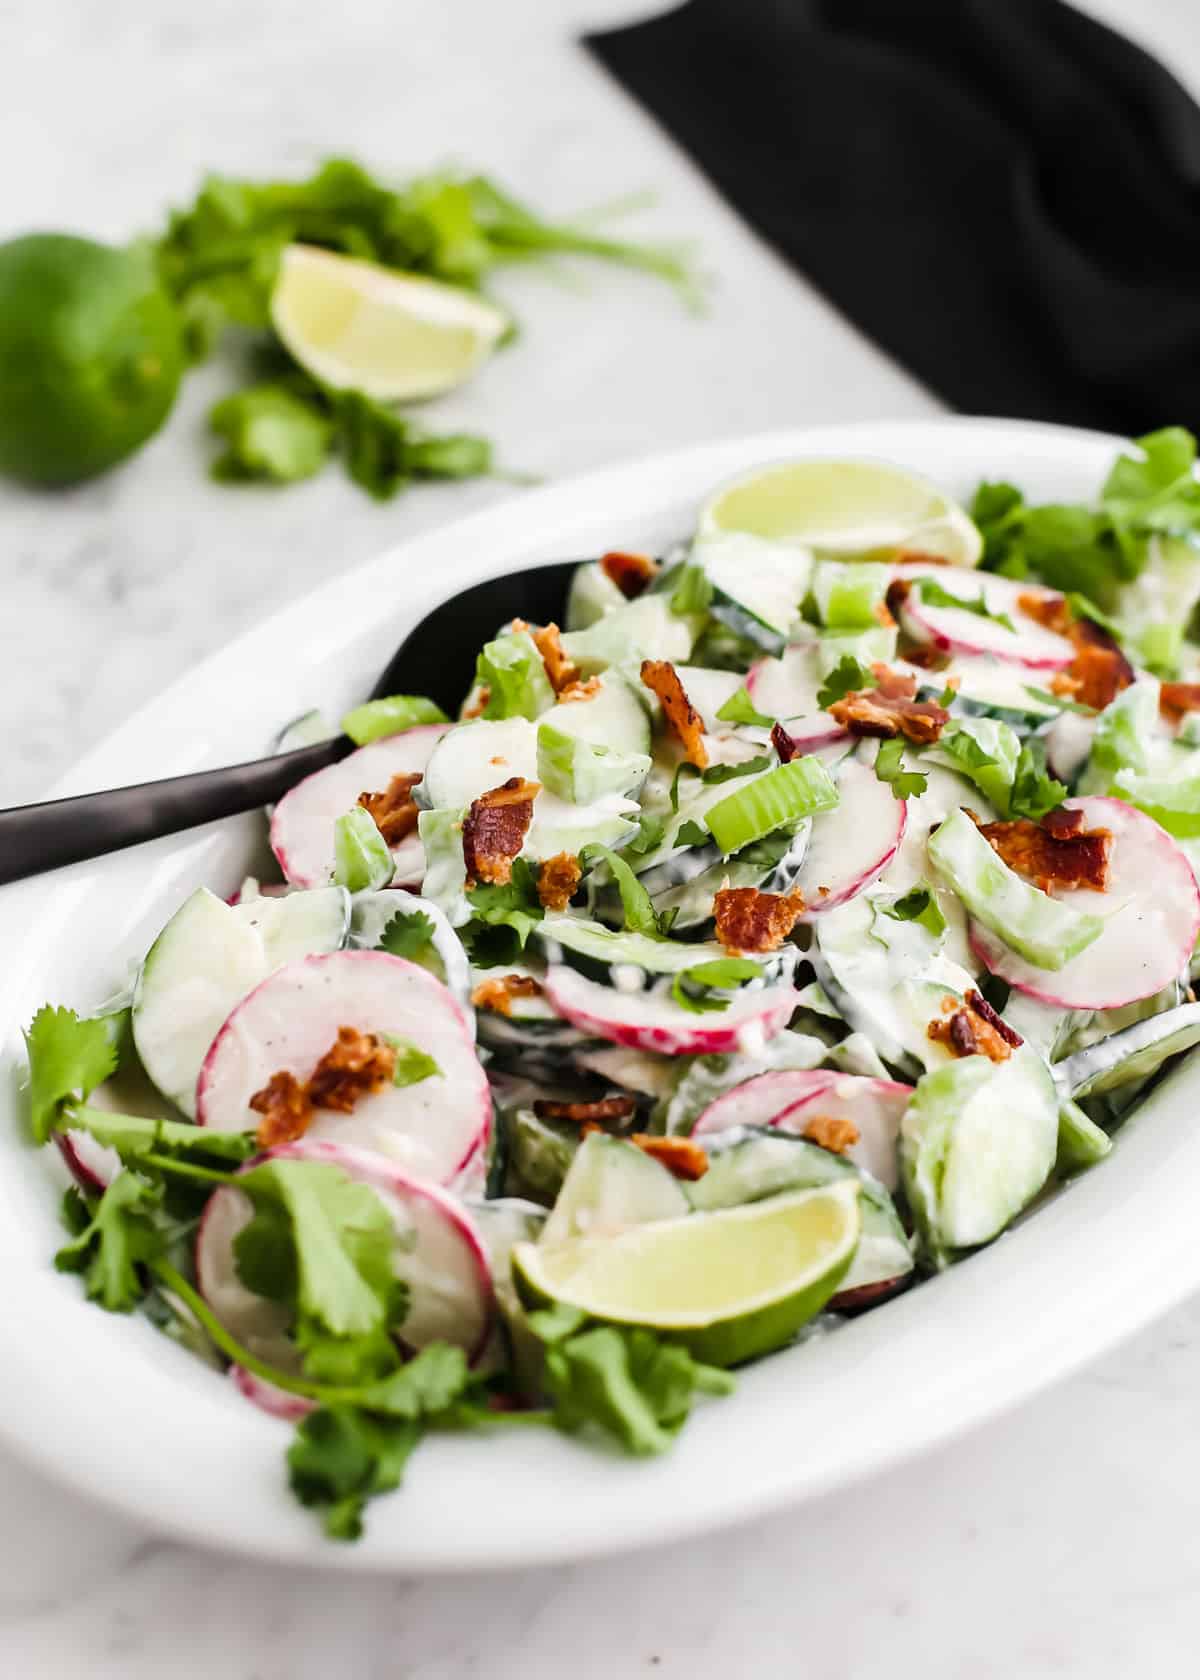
[356, 326]
[729, 1285]
[862, 508]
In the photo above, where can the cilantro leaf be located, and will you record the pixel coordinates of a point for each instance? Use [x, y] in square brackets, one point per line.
[649, 834]
[889, 767]
[136, 1137]
[639, 912]
[918, 904]
[730, 772]
[692, 988]
[409, 934]
[934, 595]
[1034, 791]
[68, 1057]
[693, 592]
[123, 1233]
[848, 677]
[740, 708]
[273, 430]
[412, 1063]
[692, 834]
[512, 906]
[340, 1457]
[682, 769]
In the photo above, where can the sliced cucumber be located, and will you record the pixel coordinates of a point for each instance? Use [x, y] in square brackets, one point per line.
[209, 955]
[1081, 1143]
[1134, 1054]
[708, 691]
[592, 594]
[598, 944]
[993, 688]
[577, 771]
[374, 913]
[474, 757]
[613, 717]
[641, 629]
[610, 1186]
[762, 583]
[502, 1222]
[539, 1153]
[977, 1143]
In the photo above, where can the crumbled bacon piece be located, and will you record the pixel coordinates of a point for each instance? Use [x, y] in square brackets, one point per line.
[1176, 698]
[927, 657]
[286, 1110]
[1050, 611]
[681, 1156]
[785, 745]
[973, 1028]
[494, 830]
[558, 879]
[889, 709]
[630, 572]
[749, 920]
[682, 717]
[1099, 670]
[395, 809]
[561, 670]
[898, 592]
[356, 1064]
[832, 1132]
[581, 690]
[1052, 853]
[497, 992]
[580, 1113]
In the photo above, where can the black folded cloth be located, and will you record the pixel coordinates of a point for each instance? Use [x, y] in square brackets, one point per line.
[1004, 194]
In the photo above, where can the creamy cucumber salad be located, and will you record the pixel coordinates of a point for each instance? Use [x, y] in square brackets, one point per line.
[771, 934]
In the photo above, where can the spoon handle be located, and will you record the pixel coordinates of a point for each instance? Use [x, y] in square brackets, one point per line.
[34, 838]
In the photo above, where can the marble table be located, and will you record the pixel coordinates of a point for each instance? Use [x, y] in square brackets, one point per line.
[1063, 1540]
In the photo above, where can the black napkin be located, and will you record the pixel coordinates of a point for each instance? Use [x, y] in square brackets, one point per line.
[1004, 194]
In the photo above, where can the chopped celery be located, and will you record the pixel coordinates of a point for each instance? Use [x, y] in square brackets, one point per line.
[511, 670]
[1124, 730]
[799, 789]
[850, 593]
[1041, 929]
[377, 718]
[867, 646]
[583, 772]
[362, 859]
[1173, 801]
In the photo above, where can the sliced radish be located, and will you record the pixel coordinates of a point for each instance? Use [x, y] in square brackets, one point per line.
[92, 1165]
[1152, 910]
[289, 1022]
[438, 1254]
[761, 1100]
[651, 1021]
[302, 826]
[874, 1107]
[852, 845]
[959, 630]
[787, 688]
[269, 1398]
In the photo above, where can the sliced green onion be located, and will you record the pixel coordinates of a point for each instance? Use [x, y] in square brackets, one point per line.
[362, 859]
[391, 716]
[511, 670]
[798, 789]
[1039, 928]
[849, 593]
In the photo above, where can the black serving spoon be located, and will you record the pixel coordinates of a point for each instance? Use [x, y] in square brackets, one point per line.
[436, 658]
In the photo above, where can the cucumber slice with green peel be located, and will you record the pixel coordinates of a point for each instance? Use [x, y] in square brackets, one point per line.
[849, 594]
[502, 1222]
[642, 629]
[206, 959]
[868, 647]
[610, 1186]
[708, 691]
[977, 1143]
[592, 594]
[1132, 1055]
[988, 687]
[764, 583]
[634, 1070]
[577, 771]
[540, 1153]
[1043, 930]
[1081, 1143]
[615, 716]
[598, 944]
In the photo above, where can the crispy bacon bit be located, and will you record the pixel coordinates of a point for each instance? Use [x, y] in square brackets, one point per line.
[918, 557]
[1099, 670]
[1176, 698]
[898, 592]
[495, 828]
[785, 745]
[558, 879]
[581, 690]
[681, 1156]
[832, 1132]
[749, 920]
[394, 810]
[479, 705]
[928, 658]
[630, 572]
[562, 671]
[356, 1064]
[1050, 611]
[889, 709]
[286, 1109]
[973, 1028]
[497, 992]
[1052, 854]
[684, 720]
[580, 1113]
[882, 615]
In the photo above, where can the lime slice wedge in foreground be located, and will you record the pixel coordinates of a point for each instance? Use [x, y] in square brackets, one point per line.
[356, 326]
[729, 1285]
[863, 508]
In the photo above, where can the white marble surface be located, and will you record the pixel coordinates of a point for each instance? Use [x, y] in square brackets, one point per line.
[1062, 1541]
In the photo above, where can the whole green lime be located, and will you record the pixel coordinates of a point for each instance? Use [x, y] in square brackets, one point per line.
[90, 356]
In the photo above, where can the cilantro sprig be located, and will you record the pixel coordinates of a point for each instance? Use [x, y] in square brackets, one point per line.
[694, 988]
[889, 767]
[847, 677]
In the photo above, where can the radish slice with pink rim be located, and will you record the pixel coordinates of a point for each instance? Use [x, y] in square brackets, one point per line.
[787, 688]
[439, 1255]
[302, 826]
[959, 630]
[1152, 910]
[291, 1020]
[652, 1021]
[92, 1165]
[761, 1100]
[850, 846]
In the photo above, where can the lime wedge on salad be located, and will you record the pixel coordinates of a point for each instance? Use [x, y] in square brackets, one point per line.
[356, 326]
[729, 1285]
[859, 508]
